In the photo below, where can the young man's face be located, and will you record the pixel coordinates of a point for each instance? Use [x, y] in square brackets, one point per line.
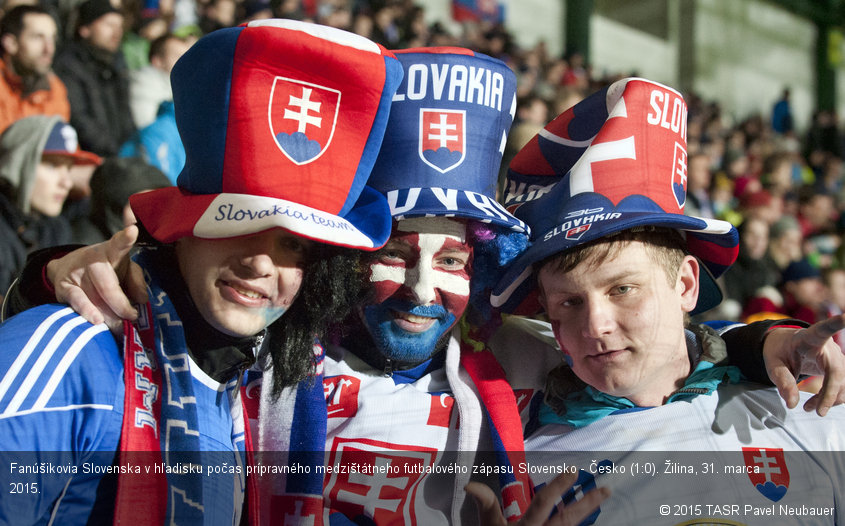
[421, 281]
[32, 51]
[622, 322]
[241, 285]
[52, 185]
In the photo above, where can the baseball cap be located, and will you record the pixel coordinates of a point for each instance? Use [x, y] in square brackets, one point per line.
[63, 141]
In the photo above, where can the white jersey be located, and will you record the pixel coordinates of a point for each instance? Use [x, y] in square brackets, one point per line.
[407, 427]
[737, 456]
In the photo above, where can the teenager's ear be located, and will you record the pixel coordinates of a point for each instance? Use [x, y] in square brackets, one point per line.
[688, 283]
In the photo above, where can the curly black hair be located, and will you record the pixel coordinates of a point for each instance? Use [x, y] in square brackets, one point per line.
[332, 285]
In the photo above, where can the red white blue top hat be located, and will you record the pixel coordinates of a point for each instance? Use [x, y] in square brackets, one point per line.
[281, 121]
[445, 136]
[614, 161]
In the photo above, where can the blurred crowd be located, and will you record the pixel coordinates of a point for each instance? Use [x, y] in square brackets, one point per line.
[103, 68]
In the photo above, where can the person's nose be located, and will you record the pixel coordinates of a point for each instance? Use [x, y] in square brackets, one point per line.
[258, 254]
[599, 320]
[421, 280]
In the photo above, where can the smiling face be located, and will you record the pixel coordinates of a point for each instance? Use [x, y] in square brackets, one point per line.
[241, 285]
[421, 281]
[621, 321]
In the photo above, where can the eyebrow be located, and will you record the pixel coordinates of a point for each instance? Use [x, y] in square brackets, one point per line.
[623, 275]
[450, 245]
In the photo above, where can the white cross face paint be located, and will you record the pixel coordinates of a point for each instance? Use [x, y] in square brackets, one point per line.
[435, 238]
[421, 280]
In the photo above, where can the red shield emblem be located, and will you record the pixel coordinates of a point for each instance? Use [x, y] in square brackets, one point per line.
[378, 480]
[767, 471]
[442, 138]
[679, 176]
[576, 233]
[302, 118]
[341, 395]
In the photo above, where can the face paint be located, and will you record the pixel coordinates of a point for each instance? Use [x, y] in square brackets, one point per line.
[421, 281]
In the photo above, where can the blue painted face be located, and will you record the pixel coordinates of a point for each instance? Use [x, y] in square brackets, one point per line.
[421, 278]
[401, 345]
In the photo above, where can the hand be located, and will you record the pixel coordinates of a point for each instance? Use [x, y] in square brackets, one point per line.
[788, 352]
[89, 279]
[490, 513]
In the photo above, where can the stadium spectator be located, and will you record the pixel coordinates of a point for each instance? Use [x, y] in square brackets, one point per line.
[800, 294]
[158, 143]
[94, 71]
[150, 85]
[36, 154]
[111, 185]
[751, 271]
[28, 85]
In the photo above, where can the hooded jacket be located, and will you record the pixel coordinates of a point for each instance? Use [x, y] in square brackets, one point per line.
[21, 229]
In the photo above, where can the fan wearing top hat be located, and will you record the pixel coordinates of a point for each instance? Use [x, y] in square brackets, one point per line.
[618, 268]
[268, 209]
[397, 391]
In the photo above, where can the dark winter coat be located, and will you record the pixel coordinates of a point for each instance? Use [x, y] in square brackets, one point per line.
[98, 89]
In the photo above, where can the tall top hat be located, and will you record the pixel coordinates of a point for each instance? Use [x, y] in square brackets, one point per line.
[281, 122]
[614, 161]
[445, 136]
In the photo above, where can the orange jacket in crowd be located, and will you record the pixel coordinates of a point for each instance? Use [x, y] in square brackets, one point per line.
[14, 106]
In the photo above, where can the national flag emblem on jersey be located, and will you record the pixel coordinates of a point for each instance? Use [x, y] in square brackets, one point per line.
[442, 138]
[767, 471]
[302, 118]
[376, 480]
